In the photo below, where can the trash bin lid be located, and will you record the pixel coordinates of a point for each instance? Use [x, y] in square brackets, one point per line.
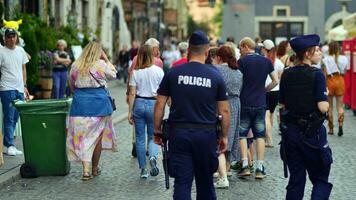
[47, 106]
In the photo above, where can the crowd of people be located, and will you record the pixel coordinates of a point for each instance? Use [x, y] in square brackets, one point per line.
[245, 84]
[251, 74]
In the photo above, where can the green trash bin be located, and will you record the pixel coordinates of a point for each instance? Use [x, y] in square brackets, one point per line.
[43, 124]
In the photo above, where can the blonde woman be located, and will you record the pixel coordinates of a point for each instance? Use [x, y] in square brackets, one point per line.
[143, 86]
[90, 124]
[335, 66]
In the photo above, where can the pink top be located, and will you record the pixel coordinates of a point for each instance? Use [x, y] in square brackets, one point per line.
[156, 61]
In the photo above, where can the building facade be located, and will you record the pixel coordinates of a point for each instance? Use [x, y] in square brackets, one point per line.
[283, 19]
[104, 19]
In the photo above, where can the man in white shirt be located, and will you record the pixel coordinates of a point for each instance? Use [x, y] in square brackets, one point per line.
[12, 86]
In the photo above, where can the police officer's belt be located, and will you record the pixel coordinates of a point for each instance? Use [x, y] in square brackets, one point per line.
[192, 125]
[150, 98]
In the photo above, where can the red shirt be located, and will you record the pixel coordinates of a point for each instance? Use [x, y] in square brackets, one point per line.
[180, 61]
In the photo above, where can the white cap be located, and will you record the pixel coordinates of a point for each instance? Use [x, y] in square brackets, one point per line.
[268, 44]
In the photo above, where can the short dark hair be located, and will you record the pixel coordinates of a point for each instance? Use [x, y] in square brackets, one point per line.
[230, 39]
[197, 49]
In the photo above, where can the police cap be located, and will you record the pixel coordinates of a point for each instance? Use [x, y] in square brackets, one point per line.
[198, 38]
[305, 41]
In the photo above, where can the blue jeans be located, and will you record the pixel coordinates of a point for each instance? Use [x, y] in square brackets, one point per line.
[59, 84]
[10, 114]
[252, 118]
[143, 116]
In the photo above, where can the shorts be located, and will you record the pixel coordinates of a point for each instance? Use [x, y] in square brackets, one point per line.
[272, 100]
[252, 118]
[336, 85]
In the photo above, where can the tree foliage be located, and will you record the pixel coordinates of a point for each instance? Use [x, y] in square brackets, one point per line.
[193, 26]
[217, 18]
[38, 36]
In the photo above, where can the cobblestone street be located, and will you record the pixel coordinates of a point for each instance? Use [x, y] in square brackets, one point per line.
[120, 176]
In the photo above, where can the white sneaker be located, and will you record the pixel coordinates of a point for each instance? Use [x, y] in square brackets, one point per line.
[144, 173]
[12, 151]
[221, 183]
[216, 175]
[229, 173]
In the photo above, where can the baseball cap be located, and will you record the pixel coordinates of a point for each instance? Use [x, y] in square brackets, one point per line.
[268, 44]
[10, 31]
[198, 38]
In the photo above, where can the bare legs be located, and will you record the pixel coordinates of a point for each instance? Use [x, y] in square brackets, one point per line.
[330, 113]
[269, 124]
[94, 164]
[96, 157]
[340, 112]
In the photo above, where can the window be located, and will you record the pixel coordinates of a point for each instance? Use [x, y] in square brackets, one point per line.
[281, 11]
[273, 30]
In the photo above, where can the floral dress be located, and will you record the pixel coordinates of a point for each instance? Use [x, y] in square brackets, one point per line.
[84, 132]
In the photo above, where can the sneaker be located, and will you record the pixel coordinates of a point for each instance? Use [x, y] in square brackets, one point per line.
[221, 183]
[245, 171]
[216, 175]
[12, 151]
[260, 174]
[154, 169]
[236, 166]
[144, 173]
[228, 173]
[252, 168]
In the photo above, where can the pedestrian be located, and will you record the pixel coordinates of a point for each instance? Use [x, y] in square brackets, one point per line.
[285, 54]
[269, 51]
[168, 56]
[124, 58]
[211, 58]
[335, 67]
[143, 86]
[90, 127]
[154, 44]
[183, 50]
[198, 93]
[227, 66]
[61, 61]
[13, 61]
[255, 69]
[304, 104]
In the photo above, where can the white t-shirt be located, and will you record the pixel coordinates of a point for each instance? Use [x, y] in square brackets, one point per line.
[11, 61]
[278, 67]
[332, 67]
[147, 81]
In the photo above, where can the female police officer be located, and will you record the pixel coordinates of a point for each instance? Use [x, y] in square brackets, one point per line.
[304, 103]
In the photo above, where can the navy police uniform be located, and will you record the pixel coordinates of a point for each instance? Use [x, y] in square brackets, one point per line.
[306, 147]
[194, 89]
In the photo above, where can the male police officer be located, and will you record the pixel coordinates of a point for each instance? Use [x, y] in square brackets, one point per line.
[304, 144]
[198, 93]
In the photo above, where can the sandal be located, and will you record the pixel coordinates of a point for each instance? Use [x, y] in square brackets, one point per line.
[96, 172]
[86, 176]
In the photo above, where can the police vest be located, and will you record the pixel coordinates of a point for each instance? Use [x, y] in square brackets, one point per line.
[299, 90]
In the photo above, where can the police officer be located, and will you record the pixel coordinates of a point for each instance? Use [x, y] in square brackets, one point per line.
[198, 93]
[304, 104]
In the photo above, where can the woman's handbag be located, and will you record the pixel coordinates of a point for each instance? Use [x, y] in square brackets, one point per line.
[112, 100]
